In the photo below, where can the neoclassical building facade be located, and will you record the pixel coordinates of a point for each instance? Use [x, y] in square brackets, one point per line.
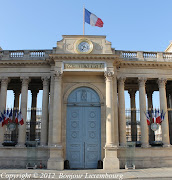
[83, 118]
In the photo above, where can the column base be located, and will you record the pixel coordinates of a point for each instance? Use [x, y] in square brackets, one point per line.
[110, 161]
[166, 145]
[56, 161]
[20, 145]
[145, 146]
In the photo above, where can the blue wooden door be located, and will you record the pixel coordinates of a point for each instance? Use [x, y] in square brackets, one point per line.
[83, 133]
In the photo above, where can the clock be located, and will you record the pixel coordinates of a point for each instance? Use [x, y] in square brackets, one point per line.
[83, 46]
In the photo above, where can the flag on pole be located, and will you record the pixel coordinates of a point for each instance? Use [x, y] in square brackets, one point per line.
[92, 19]
[158, 117]
[4, 118]
[148, 118]
[162, 116]
[11, 116]
[153, 117]
[16, 117]
[20, 118]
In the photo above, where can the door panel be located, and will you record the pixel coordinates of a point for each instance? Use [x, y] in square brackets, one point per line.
[92, 138]
[83, 129]
[83, 137]
[74, 137]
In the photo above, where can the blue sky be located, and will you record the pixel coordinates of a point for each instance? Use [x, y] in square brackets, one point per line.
[129, 25]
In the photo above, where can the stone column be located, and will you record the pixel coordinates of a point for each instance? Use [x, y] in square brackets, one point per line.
[170, 116]
[44, 121]
[3, 97]
[143, 120]
[109, 110]
[34, 93]
[24, 97]
[150, 107]
[57, 107]
[50, 133]
[16, 108]
[163, 106]
[56, 160]
[122, 118]
[110, 161]
[115, 98]
[132, 94]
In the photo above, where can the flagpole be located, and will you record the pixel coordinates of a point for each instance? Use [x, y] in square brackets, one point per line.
[84, 20]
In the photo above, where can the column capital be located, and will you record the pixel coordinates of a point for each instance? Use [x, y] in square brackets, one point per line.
[5, 80]
[108, 74]
[34, 91]
[25, 80]
[142, 81]
[121, 80]
[57, 75]
[45, 80]
[16, 90]
[132, 92]
[161, 82]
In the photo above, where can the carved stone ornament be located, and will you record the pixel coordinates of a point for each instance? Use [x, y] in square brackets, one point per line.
[109, 74]
[57, 75]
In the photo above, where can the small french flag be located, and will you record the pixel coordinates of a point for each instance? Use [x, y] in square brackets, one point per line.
[92, 19]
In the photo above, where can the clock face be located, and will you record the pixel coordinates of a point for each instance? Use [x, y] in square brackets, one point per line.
[83, 46]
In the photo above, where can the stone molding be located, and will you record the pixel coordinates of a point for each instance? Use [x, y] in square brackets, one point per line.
[23, 62]
[147, 64]
[82, 57]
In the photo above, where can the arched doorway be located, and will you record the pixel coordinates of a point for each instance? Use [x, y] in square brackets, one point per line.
[83, 130]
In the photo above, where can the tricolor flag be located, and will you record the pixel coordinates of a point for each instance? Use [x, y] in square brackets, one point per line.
[3, 118]
[162, 116]
[148, 118]
[92, 19]
[11, 116]
[153, 117]
[158, 117]
[16, 117]
[20, 119]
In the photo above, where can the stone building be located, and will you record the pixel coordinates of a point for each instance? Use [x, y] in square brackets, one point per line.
[83, 107]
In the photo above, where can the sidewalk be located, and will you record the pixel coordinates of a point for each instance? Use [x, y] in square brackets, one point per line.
[37, 174]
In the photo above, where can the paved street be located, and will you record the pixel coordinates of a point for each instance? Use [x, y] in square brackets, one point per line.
[153, 173]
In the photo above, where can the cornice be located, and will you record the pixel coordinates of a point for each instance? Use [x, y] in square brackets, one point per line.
[145, 64]
[83, 57]
[23, 62]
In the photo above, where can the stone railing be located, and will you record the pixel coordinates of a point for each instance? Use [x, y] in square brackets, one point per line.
[145, 56]
[24, 54]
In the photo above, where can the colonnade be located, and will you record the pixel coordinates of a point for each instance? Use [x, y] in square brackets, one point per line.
[115, 110]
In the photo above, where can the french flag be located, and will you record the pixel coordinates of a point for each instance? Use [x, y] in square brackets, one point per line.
[92, 19]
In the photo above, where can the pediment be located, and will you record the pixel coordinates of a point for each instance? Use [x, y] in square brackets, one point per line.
[69, 42]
